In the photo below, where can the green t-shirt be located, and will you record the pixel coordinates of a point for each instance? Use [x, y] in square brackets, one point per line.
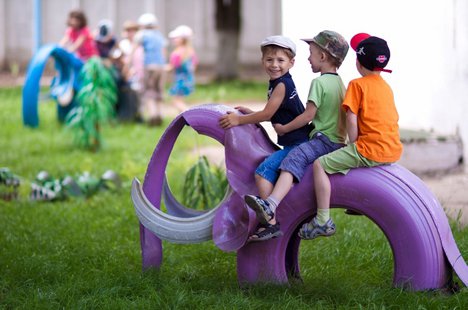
[327, 92]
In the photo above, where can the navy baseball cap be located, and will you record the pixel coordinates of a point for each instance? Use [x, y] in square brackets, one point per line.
[372, 52]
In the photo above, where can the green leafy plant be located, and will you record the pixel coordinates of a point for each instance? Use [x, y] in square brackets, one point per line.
[204, 185]
[96, 99]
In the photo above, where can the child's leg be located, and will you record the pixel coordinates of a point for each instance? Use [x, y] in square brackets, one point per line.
[322, 192]
[264, 186]
[274, 194]
[322, 224]
[338, 161]
[179, 104]
[282, 186]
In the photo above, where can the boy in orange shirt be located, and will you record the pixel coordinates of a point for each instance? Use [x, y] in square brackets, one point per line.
[372, 126]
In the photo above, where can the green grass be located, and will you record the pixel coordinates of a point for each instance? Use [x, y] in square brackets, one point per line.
[85, 253]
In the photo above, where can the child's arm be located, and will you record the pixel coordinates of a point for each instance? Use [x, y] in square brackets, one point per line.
[244, 110]
[76, 45]
[233, 119]
[351, 126]
[64, 41]
[300, 120]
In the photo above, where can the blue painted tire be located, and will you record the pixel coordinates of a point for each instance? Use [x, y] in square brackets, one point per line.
[65, 84]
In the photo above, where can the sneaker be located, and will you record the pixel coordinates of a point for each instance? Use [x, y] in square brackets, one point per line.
[261, 207]
[313, 229]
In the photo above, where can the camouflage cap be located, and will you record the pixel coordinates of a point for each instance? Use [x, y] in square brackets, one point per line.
[332, 42]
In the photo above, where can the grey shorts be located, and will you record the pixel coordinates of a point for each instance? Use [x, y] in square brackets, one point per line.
[154, 80]
[302, 156]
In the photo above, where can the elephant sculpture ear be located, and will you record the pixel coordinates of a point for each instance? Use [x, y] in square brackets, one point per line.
[244, 155]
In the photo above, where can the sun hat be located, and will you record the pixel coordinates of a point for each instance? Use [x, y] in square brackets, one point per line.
[130, 25]
[148, 19]
[372, 52]
[332, 42]
[281, 41]
[181, 31]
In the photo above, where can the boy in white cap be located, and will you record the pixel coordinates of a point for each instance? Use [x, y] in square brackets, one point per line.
[283, 106]
[327, 50]
[154, 49]
[372, 125]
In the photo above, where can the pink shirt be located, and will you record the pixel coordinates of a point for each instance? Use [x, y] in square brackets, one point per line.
[88, 48]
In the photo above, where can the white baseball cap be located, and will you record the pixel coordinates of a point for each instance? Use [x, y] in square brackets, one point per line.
[181, 31]
[148, 19]
[281, 41]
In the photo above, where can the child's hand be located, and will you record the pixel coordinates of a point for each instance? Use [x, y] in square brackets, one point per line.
[243, 110]
[229, 120]
[279, 129]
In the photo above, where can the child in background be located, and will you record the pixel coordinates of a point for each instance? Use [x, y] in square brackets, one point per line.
[78, 38]
[132, 56]
[282, 107]
[327, 50]
[372, 125]
[183, 61]
[154, 59]
[105, 38]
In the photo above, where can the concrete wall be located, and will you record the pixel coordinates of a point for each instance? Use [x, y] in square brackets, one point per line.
[260, 18]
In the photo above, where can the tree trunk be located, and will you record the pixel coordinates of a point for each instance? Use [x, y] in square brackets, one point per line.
[228, 25]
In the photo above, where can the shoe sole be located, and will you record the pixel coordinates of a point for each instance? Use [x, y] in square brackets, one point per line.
[316, 236]
[262, 216]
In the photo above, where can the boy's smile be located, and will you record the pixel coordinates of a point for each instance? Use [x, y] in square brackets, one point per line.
[277, 64]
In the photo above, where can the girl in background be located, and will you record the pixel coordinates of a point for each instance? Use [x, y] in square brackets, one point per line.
[183, 62]
[78, 38]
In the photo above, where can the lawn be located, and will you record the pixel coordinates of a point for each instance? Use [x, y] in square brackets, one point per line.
[85, 253]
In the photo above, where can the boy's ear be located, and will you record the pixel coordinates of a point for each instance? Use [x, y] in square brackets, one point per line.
[292, 61]
[324, 56]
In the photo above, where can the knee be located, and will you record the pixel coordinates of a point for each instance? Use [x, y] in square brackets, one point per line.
[317, 164]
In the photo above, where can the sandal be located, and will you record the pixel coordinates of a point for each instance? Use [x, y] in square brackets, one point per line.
[266, 232]
[313, 229]
[261, 207]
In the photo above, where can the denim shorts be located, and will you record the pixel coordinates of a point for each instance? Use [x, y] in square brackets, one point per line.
[301, 157]
[269, 168]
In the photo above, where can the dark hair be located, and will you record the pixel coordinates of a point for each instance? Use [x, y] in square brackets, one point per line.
[80, 16]
[274, 48]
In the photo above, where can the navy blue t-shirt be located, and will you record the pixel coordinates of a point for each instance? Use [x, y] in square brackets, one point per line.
[289, 109]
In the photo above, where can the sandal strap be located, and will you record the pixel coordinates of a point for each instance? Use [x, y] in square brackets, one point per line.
[269, 229]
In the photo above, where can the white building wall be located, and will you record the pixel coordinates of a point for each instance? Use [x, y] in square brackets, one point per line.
[260, 18]
[428, 40]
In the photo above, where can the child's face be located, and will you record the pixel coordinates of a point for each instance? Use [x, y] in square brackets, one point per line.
[277, 63]
[316, 57]
[177, 41]
[74, 23]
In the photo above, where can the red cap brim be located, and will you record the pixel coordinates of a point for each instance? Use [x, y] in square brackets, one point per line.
[358, 38]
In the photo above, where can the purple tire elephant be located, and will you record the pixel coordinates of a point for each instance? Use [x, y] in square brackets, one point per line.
[424, 250]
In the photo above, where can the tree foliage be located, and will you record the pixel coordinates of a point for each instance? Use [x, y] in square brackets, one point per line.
[96, 104]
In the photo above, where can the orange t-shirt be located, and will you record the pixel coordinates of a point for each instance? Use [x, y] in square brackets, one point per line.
[371, 99]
